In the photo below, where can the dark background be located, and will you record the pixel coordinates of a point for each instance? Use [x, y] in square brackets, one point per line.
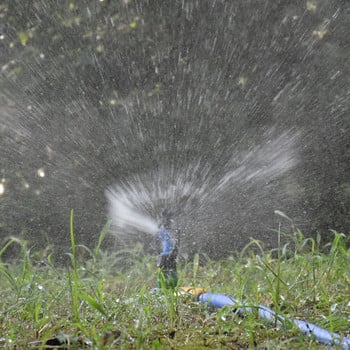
[82, 80]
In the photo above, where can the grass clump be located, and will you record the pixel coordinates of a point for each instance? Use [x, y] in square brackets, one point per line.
[97, 304]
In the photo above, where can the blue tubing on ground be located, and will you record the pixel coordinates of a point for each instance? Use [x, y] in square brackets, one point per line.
[321, 335]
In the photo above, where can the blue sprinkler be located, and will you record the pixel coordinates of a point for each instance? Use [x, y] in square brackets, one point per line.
[167, 277]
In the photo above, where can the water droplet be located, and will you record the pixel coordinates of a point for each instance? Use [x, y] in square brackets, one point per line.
[311, 6]
[320, 33]
[2, 189]
[41, 172]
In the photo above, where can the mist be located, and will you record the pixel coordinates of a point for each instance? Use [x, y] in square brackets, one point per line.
[220, 111]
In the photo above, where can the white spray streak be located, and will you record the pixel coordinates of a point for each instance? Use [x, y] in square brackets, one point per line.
[135, 204]
[126, 216]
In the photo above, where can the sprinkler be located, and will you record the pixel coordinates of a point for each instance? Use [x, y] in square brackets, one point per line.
[169, 237]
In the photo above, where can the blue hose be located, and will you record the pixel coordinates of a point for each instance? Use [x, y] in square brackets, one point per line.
[321, 335]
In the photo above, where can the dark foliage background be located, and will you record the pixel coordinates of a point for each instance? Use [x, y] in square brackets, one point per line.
[82, 80]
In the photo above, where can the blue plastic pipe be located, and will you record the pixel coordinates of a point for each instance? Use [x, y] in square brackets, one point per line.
[321, 335]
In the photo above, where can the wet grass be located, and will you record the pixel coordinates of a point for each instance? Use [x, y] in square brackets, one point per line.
[97, 304]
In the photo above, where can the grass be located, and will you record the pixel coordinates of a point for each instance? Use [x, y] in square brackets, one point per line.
[98, 304]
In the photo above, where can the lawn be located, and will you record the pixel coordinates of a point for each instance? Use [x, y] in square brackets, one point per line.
[107, 300]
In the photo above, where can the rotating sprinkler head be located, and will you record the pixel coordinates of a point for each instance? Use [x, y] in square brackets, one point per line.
[167, 276]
